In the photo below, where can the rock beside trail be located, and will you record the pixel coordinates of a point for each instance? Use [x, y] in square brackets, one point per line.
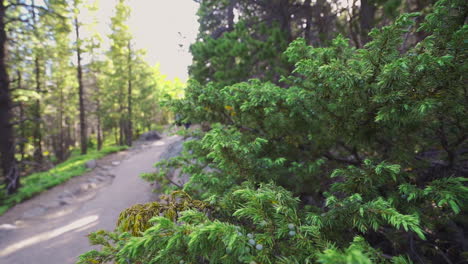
[176, 175]
[91, 164]
[151, 135]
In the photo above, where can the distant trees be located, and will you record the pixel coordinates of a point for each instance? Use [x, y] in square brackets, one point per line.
[121, 57]
[19, 21]
[240, 39]
[62, 99]
[60, 88]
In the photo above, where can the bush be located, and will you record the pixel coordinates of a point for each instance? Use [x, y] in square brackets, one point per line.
[360, 157]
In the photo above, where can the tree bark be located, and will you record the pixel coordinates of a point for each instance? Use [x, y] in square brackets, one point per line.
[230, 14]
[83, 127]
[282, 14]
[129, 136]
[62, 138]
[121, 128]
[70, 141]
[307, 29]
[366, 20]
[352, 14]
[7, 142]
[116, 136]
[37, 133]
[98, 117]
[21, 117]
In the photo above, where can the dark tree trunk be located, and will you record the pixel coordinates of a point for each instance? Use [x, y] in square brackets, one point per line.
[83, 129]
[230, 15]
[282, 13]
[307, 29]
[129, 136]
[323, 23]
[121, 129]
[7, 142]
[98, 117]
[122, 108]
[99, 134]
[37, 133]
[352, 25]
[22, 134]
[366, 20]
[61, 135]
[21, 117]
[116, 136]
[69, 141]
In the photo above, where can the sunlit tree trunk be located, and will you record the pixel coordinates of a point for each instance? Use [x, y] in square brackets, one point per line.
[98, 117]
[83, 127]
[129, 135]
[22, 140]
[37, 133]
[62, 136]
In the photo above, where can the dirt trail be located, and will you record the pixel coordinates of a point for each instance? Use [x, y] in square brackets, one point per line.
[52, 227]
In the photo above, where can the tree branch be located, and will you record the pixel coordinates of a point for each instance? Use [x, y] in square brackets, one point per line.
[329, 156]
[28, 6]
[31, 7]
[352, 150]
[25, 120]
[17, 19]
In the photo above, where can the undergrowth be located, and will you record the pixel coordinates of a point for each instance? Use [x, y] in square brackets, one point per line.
[38, 182]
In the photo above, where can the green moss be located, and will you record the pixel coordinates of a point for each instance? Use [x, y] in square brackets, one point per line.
[38, 182]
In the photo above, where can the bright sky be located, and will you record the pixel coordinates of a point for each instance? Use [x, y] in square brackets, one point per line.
[155, 25]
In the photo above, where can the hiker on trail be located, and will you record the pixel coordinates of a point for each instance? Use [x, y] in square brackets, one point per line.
[179, 119]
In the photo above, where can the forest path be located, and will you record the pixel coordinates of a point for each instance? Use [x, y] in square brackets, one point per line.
[52, 227]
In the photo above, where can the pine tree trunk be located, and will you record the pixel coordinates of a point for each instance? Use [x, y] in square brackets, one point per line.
[230, 15]
[7, 143]
[284, 18]
[83, 129]
[37, 133]
[22, 134]
[366, 20]
[129, 121]
[99, 135]
[21, 117]
[121, 129]
[122, 117]
[116, 136]
[69, 136]
[98, 110]
[307, 29]
[98, 116]
[61, 139]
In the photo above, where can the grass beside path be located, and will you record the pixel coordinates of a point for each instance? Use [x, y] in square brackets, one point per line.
[38, 182]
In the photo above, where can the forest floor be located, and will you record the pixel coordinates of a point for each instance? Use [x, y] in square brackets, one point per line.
[52, 227]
